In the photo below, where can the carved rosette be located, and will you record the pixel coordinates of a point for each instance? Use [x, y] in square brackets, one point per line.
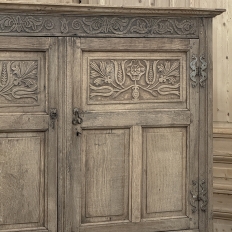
[134, 80]
[135, 70]
[19, 82]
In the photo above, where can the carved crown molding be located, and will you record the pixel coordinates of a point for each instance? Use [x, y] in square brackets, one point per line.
[97, 26]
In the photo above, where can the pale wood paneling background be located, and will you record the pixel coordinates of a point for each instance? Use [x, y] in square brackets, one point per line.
[222, 40]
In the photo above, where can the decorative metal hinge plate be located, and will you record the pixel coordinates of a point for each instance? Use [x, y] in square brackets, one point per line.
[194, 196]
[198, 70]
[203, 195]
[53, 117]
[198, 193]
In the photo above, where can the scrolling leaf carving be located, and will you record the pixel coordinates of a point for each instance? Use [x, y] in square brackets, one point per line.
[101, 26]
[137, 25]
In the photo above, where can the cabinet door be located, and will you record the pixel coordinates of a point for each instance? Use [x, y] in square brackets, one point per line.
[27, 141]
[137, 154]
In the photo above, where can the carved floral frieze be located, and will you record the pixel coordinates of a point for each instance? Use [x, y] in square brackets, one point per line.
[134, 79]
[28, 24]
[118, 26]
[103, 26]
[18, 81]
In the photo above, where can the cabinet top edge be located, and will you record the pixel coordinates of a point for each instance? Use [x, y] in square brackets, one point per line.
[82, 9]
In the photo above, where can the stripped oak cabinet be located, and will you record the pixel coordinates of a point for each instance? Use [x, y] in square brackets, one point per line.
[105, 119]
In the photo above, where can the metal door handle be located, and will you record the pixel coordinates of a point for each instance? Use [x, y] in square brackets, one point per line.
[78, 133]
[53, 117]
[77, 119]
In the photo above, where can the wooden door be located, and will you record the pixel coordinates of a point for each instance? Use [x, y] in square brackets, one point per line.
[28, 138]
[136, 159]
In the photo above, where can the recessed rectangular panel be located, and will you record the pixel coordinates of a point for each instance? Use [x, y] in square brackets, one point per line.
[21, 180]
[22, 81]
[105, 170]
[132, 79]
[164, 172]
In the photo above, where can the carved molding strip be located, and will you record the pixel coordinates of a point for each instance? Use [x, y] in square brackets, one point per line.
[24, 24]
[119, 26]
[101, 26]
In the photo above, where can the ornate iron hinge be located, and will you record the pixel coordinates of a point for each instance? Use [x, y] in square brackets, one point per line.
[194, 196]
[198, 70]
[203, 195]
[53, 117]
[198, 195]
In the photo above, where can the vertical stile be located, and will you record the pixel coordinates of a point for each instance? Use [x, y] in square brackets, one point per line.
[193, 134]
[136, 172]
[61, 70]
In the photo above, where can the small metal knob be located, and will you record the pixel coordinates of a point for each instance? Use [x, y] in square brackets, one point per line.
[78, 133]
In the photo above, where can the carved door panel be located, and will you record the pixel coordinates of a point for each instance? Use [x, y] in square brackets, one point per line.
[136, 153]
[27, 136]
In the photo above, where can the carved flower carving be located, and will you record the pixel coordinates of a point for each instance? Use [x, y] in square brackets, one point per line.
[135, 70]
[24, 73]
[111, 78]
[18, 80]
[103, 72]
[169, 72]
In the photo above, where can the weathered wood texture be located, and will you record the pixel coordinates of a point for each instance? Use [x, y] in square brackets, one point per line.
[222, 100]
[28, 186]
[124, 186]
[222, 53]
[222, 45]
[222, 179]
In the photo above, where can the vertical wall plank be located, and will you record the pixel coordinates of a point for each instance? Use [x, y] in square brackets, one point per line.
[136, 3]
[136, 135]
[162, 3]
[228, 57]
[93, 2]
[221, 76]
[194, 3]
[111, 3]
[115, 3]
[82, 1]
[179, 3]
